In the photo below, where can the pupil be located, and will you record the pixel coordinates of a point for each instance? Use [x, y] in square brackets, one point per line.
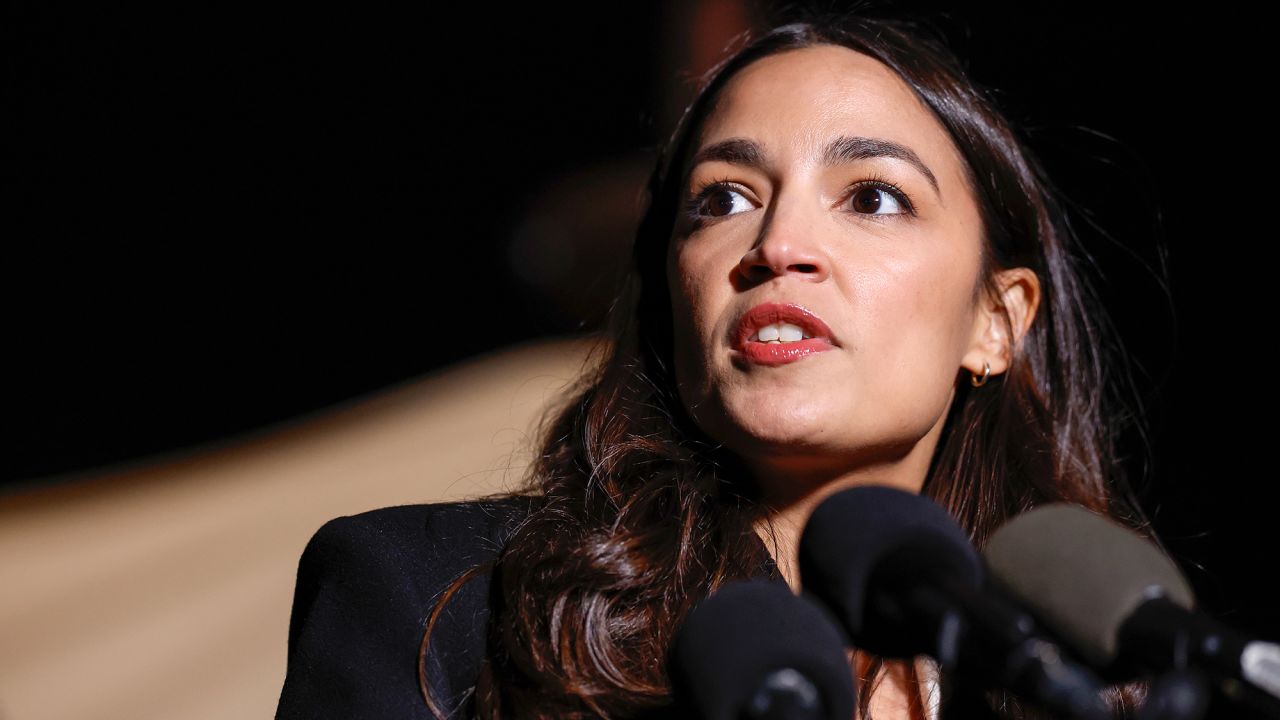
[869, 202]
[721, 201]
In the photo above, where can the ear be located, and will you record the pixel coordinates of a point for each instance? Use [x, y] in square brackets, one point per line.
[1017, 300]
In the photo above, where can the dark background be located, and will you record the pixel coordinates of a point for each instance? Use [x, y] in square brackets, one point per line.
[224, 217]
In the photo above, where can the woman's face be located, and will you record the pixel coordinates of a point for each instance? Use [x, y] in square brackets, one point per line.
[794, 218]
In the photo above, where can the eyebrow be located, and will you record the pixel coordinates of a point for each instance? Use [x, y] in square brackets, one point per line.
[844, 149]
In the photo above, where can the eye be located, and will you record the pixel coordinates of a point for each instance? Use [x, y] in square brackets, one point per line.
[715, 200]
[871, 197]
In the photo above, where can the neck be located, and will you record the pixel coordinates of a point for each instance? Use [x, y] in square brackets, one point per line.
[792, 484]
[792, 491]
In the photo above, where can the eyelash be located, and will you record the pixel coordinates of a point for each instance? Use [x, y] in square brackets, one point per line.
[874, 180]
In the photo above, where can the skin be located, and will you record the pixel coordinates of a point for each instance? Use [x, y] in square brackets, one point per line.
[897, 282]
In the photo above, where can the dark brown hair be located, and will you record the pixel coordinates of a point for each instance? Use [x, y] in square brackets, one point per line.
[639, 514]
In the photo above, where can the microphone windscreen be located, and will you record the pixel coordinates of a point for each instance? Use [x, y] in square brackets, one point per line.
[743, 632]
[1082, 574]
[868, 530]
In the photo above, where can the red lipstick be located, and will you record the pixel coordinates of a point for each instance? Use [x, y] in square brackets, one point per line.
[817, 334]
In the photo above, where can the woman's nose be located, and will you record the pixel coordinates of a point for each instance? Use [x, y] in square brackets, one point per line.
[788, 246]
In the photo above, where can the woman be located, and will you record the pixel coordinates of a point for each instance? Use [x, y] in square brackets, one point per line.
[850, 271]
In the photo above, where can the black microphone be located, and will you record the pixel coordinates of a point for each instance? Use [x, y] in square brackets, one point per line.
[1122, 603]
[752, 649]
[903, 578]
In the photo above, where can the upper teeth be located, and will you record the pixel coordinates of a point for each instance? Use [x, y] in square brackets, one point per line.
[780, 332]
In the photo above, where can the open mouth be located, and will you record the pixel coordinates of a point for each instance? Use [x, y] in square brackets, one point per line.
[777, 333]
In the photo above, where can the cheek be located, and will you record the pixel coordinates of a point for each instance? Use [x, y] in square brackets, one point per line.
[691, 303]
[923, 320]
[687, 308]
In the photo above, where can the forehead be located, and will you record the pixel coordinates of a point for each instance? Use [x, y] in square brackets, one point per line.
[793, 103]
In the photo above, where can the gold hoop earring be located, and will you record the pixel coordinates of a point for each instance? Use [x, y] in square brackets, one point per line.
[986, 374]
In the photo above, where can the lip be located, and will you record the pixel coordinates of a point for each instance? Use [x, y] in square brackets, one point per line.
[780, 354]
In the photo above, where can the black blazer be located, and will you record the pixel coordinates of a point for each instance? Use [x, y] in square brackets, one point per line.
[365, 588]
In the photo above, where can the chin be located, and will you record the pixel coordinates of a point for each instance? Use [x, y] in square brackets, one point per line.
[750, 425]
[777, 433]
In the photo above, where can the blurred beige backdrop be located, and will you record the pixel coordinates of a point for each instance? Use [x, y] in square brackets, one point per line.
[163, 591]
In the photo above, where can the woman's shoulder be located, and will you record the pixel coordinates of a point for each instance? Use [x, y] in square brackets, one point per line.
[486, 513]
[445, 531]
[422, 547]
[367, 584]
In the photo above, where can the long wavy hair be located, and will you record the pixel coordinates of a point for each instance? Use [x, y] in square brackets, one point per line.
[638, 515]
